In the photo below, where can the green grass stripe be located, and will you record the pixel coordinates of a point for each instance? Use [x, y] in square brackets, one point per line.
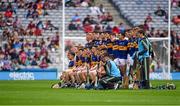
[40, 93]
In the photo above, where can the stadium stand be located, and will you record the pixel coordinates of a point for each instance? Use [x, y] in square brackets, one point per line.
[136, 11]
[175, 35]
[96, 15]
[175, 54]
[70, 11]
[152, 15]
[175, 12]
[20, 18]
[29, 31]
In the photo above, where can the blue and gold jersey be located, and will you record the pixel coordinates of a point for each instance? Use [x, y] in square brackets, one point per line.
[87, 59]
[109, 45]
[98, 58]
[97, 43]
[116, 45]
[89, 45]
[94, 60]
[123, 49]
[103, 44]
[132, 46]
[71, 64]
[83, 59]
[78, 60]
[115, 49]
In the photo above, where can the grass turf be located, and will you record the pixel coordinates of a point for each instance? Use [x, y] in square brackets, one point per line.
[40, 93]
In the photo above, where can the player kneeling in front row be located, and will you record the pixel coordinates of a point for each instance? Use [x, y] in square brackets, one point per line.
[112, 77]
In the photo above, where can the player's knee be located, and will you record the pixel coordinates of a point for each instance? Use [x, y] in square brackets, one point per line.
[93, 73]
[71, 73]
[79, 73]
[83, 72]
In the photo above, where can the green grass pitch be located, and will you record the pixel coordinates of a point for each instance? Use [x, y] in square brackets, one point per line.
[40, 93]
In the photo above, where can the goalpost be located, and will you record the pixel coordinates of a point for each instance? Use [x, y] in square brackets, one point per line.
[161, 64]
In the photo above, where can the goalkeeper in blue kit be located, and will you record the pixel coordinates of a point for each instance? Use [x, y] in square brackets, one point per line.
[113, 76]
[144, 53]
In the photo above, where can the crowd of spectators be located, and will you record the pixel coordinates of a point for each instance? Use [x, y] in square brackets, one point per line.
[175, 3]
[100, 20]
[38, 4]
[160, 12]
[97, 20]
[100, 24]
[175, 54]
[26, 52]
[175, 37]
[20, 47]
[40, 7]
[176, 18]
[91, 23]
[79, 3]
[148, 22]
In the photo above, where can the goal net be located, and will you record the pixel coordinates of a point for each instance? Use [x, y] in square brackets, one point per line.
[159, 67]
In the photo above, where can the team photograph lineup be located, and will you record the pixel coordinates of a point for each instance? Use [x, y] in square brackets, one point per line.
[90, 52]
[110, 61]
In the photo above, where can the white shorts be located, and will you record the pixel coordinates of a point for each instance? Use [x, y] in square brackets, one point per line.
[130, 61]
[120, 62]
[93, 71]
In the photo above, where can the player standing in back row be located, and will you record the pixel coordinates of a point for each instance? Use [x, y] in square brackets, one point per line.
[121, 59]
[144, 53]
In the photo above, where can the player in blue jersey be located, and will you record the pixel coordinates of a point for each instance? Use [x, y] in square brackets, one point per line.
[78, 76]
[89, 39]
[132, 48]
[97, 69]
[94, 63]
[144, 53]
[122, 57]
[115, 48]
[65, 77]
[77, 63]
[83, 69]
[80, 66]
[109, 45]
[112, 73]
[103, 42]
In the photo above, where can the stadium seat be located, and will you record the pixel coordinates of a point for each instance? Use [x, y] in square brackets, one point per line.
[136, 12]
